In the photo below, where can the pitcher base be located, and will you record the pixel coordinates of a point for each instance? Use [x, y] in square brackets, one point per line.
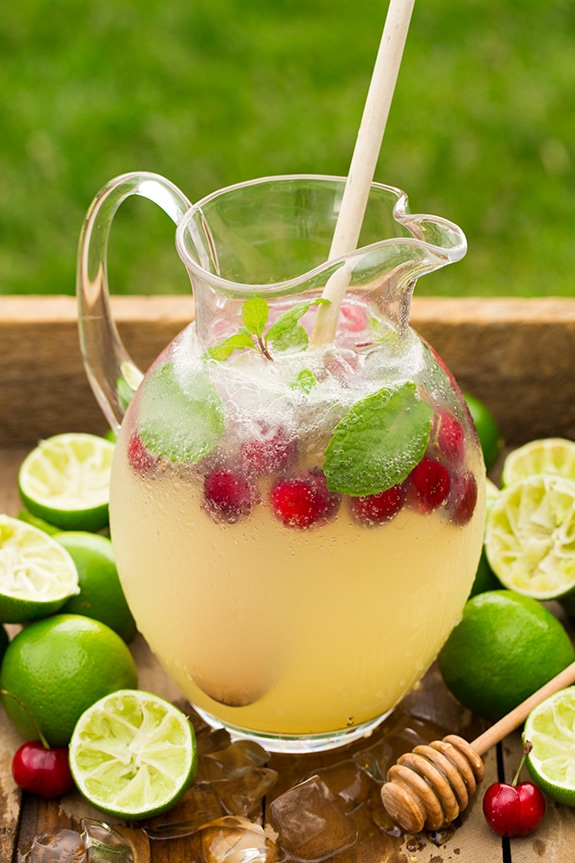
[295, 743]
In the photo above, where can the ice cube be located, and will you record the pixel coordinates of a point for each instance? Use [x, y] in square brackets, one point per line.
[310, 822]
[106, 844]
[211, 739]
[60, 846]
[199, 805]
[235, 840]
[235, 760]
[350, 784]
[243, 794]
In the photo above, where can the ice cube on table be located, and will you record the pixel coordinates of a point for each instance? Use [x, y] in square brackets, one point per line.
[310, 821]
[234, 840]
[235, 760]
[200, 805]
[58, 846]
[346, 779]
[243, 794]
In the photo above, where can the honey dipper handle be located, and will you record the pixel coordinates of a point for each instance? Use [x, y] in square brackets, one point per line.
[515, 717]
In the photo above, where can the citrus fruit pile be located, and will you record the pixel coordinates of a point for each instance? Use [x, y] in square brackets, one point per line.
[509, 643]
[68, 674]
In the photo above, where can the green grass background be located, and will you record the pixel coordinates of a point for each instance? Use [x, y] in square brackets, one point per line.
[211, 92]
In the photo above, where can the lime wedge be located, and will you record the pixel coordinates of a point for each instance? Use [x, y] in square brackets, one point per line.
[530, 536]
[548, 455]
[37, 575]
[550, 728]
[65, 481]
[132, 754]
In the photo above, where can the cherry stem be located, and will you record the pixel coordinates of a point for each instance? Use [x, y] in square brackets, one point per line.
[21, 704]
[527, 747]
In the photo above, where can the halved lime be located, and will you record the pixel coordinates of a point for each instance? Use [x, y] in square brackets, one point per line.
[547, 455]
[65, 480]
[132, 754]
[530, 536]
[37, 575]
[550, 728]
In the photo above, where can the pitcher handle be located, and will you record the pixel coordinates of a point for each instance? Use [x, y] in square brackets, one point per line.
[113, 375]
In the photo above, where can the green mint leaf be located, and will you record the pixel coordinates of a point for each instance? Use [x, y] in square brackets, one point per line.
[180, 419]
[378, 442]
[255, 312]
[222, 350]
[304, 381]
[289, 319]
[296, 338]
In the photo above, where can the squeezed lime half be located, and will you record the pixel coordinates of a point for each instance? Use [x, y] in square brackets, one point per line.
[65, 480]
[37, 575]
[133, 754]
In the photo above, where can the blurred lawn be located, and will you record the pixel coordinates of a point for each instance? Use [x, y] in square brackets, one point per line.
[211, 92]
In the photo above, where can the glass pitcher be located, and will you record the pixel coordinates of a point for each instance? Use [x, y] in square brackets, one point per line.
[296, 519]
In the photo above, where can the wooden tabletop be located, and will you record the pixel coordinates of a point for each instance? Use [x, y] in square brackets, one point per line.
[22, 816]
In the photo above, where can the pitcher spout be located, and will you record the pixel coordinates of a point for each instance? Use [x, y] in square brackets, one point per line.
[219, 241]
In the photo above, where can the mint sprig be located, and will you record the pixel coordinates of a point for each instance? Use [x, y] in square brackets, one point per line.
[286, 333]
[180, 424]
[378, 442]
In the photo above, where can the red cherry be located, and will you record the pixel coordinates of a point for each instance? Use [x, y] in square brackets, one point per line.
[380, 507]
[303, 500]
[449, 435]
[272, 452]
[462, 498]
[516, 809]
[140, 458]
[513, 810]
[42, 771]
[428, 485]
[228, 495]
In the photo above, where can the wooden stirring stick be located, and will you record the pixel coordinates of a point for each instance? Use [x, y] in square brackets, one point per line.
[430, 786]
[363, 161]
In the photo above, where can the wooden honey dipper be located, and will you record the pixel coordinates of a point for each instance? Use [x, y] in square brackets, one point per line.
[429, 786]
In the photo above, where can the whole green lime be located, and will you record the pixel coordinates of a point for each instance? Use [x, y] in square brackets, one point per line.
[488, 430]
[101, 595]
[505, 648]
[56, 668]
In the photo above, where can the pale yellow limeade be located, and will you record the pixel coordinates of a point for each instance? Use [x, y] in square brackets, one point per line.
[300, 625]
[282, 630]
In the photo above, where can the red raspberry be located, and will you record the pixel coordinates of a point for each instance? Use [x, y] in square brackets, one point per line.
[270, 453]
[380, 507]
[139, 457]
[449, 435]
[463, 498]
[228, 495]
[303, 500]
[428, 485]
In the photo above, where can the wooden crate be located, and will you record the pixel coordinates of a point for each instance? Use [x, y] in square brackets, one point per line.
[516, 355]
